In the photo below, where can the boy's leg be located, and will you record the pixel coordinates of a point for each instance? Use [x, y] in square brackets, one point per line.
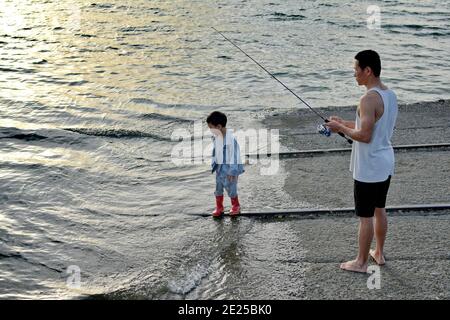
[218, 211]
[231, 187]
[219, 185]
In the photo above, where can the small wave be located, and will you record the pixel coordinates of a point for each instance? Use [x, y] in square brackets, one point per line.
[412, 26]
[102, 5]
[418, 30]
[189, 282]
[138, 46]
[163, 117]
[20, 70]
[116, 133]
[143, 101]
[42, 61]
[85, 35]
[77, 83]
[10, 255]
[434, 34]
[146, 29]
[108, 214]
[405, 26]
[160, 66]
[224, 57]
[14, 133]
[411, 45]
[281, 74]
[138, 29]
[147, 101]
[18, 37]
[278, 16]
[432, 13]
[19, 256]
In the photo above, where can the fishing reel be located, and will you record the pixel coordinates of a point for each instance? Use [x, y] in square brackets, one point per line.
[323, 130]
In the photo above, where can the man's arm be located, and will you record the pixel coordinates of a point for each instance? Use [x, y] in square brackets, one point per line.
[348, 124]
[367, 109]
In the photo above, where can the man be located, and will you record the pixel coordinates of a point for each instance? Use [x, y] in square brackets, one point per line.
[372, 158]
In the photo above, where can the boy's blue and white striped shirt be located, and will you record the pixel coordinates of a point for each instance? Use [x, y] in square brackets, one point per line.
[230, 157]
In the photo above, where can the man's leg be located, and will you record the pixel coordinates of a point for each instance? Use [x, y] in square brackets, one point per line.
[365, 237]
[380, 228]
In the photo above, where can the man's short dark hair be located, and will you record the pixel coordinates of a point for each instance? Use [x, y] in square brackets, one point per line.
[369, 58]
[216, 118]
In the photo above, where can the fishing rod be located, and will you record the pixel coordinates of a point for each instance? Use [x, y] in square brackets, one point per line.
[269, 73]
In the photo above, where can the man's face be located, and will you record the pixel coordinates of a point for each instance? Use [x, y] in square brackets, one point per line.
[358, 73]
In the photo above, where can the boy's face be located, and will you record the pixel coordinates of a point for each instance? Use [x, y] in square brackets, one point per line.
[215, 130]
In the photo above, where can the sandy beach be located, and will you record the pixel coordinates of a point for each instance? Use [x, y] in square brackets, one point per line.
[418, 244]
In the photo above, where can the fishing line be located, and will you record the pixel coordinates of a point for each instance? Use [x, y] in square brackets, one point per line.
[279, 81]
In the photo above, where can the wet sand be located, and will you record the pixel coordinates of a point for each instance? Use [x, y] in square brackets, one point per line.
[417, 246]
[417, 259]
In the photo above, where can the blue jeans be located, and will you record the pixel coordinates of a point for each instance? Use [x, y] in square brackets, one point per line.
[223, 182]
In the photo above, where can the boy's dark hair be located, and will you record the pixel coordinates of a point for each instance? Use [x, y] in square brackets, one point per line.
[216, 118]
[369, 58]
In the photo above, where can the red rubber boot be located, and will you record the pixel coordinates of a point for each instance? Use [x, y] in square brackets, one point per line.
[219, 207]
[235, 207]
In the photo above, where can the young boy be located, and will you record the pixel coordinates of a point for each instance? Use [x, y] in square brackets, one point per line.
[226, 162]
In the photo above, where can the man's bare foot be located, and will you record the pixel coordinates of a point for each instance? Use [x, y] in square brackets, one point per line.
[379, 259]
[354, 266]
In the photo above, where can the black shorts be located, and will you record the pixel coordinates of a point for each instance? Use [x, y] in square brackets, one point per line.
[369, 196]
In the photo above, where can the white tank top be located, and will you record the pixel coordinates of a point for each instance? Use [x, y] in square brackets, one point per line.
[374, 161]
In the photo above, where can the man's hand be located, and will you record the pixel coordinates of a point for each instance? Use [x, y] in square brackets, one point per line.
[348, 124]
[232, 178]
[337, 119]
[334, 125]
